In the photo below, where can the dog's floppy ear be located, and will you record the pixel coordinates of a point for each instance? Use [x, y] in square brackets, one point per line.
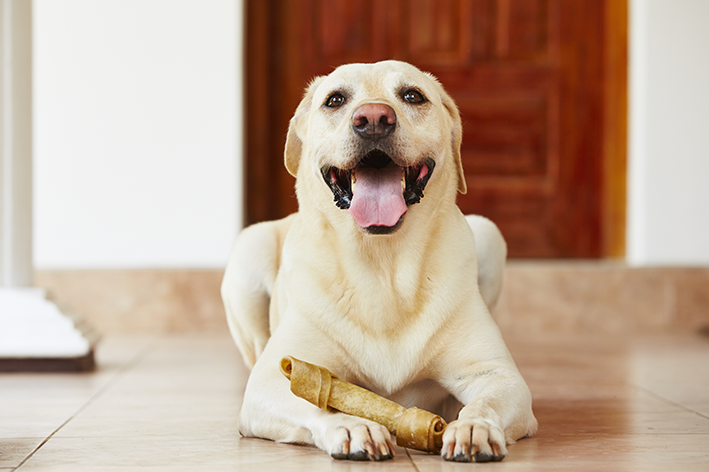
[297, 128]
[456, 138]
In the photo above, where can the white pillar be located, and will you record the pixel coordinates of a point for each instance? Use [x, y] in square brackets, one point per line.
[16, 143]
[31, 328]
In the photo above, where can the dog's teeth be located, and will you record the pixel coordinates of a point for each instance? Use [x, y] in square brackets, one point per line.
[353, 178]
[403, 180]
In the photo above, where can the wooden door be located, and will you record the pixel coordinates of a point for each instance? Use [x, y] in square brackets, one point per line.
[540, 85]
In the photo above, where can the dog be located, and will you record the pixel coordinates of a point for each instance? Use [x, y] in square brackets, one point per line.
[378, 277]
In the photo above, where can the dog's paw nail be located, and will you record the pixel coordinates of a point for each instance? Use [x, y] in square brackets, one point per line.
[343, 453]
[461, 458]
[497, 454]
[483, 457]
[390, 449]
[384, 450]
[359, 456]
[447, 452]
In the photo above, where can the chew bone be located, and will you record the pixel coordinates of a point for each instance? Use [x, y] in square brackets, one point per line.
[413, 428]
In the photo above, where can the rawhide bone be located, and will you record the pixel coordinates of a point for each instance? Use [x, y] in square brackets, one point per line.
[413, 428]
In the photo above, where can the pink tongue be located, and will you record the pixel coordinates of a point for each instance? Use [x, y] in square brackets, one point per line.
[378, 199]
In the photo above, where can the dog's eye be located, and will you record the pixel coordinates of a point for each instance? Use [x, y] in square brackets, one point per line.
[413, 96]
[335, 100]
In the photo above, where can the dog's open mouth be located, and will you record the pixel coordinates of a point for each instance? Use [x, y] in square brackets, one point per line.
[377, 192]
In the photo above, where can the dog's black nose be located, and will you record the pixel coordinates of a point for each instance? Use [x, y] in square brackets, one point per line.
[374, 121]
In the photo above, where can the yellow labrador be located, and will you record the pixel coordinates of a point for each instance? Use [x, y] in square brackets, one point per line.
[377, 277]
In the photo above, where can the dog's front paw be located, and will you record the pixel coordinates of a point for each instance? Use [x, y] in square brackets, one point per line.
[359, 441]
[473, 441]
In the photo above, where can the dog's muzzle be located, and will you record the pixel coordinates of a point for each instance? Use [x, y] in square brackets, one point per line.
[377, 192]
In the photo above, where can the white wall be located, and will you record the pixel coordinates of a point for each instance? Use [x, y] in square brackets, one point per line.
[137, 115]
[669, 133]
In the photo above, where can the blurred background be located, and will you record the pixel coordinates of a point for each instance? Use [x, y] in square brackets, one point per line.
[158, 128]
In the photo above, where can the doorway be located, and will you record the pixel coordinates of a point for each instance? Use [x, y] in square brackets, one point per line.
[541, 86]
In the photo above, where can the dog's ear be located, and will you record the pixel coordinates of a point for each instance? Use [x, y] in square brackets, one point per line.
[456, 138]
[297, 128]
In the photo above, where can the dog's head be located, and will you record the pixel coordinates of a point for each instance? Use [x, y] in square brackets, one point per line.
[377, 135]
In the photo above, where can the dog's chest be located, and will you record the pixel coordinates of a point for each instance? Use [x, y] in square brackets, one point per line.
[389, 339]
[388, 363]
[386, 318]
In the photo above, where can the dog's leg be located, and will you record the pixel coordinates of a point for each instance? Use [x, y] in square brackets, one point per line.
[491, 252]
[489, 422]
[248, 284]
[270, 410]
[498, 403]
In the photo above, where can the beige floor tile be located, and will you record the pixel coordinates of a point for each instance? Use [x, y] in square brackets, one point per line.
[206, 364]
[584, 451]
[701, 407]
[616, 416]
[603, 403]
[565, 460]
[185, 386]
[35, 405]
[192, 453]
[166, 416]
[676, 370]
[13, 451]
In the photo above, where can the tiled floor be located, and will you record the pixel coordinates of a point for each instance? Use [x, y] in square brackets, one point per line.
[603, 403]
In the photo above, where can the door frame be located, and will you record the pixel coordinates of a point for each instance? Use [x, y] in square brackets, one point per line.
[615, 132]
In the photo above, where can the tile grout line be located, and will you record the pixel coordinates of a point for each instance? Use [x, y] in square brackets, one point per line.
[139, 357]
[669, 402]
[411, 460]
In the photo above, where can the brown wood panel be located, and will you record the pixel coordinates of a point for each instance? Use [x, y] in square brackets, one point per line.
[506, 135]
[265, 189]
[344, 30]
[523, 30]
[438, 31]
[536, 82]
